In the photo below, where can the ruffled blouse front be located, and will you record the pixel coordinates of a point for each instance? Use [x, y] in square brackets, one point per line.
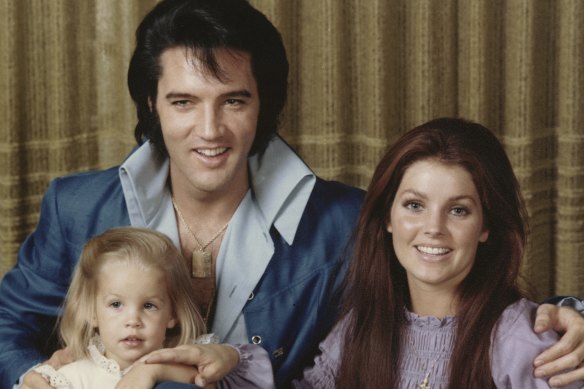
[96, 350]
[427, 346]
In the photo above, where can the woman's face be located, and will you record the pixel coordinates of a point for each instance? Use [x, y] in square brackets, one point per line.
[436, 222]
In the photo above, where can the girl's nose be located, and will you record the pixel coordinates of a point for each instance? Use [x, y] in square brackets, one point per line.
[133, 320]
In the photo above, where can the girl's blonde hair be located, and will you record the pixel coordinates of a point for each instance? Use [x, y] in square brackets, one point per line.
[146, 248]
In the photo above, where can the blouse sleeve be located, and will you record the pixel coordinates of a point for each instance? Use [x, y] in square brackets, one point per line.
[515, 346]
[326, 365]
[253, 371]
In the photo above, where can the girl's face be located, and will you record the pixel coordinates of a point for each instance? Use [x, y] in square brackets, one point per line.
[436, 222]
[133, 310]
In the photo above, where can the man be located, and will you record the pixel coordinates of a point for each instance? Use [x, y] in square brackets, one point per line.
[265, 238]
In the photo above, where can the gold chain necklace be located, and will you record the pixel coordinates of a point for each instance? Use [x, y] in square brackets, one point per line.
[201, 259]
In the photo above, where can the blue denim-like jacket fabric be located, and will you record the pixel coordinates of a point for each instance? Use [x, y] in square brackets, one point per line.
[295, 301]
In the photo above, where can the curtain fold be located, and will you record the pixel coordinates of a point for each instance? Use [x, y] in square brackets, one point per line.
[362, 73]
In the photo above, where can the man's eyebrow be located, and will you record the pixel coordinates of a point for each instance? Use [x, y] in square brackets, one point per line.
[238, 93]
[180, 95]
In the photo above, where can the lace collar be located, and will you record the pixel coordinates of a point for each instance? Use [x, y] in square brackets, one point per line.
[96, 350]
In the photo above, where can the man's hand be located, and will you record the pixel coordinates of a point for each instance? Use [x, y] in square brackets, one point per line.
[214, 361]
[568, 353]
[33, 380]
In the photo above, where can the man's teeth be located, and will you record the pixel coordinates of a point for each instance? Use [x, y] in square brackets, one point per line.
[212, 152]
[433, 250]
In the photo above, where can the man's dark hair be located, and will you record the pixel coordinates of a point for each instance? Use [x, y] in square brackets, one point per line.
[201, 27]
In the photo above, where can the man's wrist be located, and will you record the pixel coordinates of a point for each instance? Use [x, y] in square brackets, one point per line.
[567, 301]
[574, 302]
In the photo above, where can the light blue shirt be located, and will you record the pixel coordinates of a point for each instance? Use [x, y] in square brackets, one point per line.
[280, 186]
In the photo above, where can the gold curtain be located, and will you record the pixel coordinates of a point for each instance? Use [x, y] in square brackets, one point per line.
[362, 72]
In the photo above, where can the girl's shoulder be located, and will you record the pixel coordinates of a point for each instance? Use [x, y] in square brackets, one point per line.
[55, 378]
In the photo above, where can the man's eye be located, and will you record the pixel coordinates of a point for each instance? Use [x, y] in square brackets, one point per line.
[180, 103]
[233, 102]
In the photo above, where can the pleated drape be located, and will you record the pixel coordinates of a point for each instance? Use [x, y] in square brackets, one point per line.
[362, 73]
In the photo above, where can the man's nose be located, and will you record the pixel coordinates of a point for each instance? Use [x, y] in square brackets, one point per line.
[210, 125]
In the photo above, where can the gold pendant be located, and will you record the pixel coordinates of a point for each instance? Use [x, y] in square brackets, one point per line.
[424, 384]
[201, 262]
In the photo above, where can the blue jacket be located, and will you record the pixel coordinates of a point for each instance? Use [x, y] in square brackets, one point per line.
[294, 304]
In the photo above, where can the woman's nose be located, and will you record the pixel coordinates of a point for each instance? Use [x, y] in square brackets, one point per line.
[435, 223]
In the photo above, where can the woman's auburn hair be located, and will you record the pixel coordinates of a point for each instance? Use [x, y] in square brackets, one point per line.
[376, 292]
[143, 247]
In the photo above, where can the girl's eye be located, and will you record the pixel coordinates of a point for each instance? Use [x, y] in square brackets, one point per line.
[149, 306]
[116, 304]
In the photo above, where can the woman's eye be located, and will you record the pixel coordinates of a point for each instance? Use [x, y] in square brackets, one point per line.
[413, 205]
[459, 211]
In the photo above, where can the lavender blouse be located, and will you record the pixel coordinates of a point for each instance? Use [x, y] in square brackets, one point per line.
[429, 343]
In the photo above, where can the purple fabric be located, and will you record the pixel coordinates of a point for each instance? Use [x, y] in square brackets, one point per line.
[428, 346]
[253, 371]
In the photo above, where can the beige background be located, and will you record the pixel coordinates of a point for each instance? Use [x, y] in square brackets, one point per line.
[362, 72]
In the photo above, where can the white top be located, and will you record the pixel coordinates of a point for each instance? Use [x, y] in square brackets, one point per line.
[99, 372]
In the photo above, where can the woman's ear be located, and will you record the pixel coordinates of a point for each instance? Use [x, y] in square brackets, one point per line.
[150, 105]
[171, 323]
[484, 235]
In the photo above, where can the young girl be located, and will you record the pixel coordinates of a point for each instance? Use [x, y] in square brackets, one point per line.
[432, 299]
[130, 295]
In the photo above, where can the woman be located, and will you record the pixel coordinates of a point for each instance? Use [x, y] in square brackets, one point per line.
[432, 299]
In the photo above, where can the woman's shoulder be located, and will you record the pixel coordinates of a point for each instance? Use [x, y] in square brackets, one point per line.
[517, 316]
[515, 345]
[516, 325]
